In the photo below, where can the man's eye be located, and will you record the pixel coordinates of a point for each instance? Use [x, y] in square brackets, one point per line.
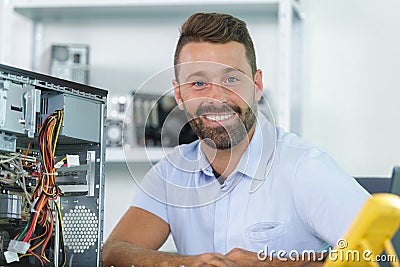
[232, 80]
[199, 83]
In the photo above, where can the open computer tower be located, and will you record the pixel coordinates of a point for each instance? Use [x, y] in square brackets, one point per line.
[52, 148]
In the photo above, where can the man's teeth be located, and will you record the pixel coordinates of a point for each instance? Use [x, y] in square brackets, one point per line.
[219, 117]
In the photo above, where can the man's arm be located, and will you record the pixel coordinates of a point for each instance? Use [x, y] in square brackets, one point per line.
[136, 232]
[139, 234]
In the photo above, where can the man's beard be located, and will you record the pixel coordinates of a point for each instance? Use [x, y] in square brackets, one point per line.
[223, 137]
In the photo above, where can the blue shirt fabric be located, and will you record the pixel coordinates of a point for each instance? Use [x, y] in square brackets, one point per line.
[285, 194]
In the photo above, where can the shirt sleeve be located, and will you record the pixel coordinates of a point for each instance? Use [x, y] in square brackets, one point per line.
[151, 195]
[326, 198]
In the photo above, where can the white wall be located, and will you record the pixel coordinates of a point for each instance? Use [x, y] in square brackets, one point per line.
[352, 86]
[16, 37]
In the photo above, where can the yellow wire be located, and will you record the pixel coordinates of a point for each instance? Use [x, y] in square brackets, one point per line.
[62, 230]
[61, 115]
[44, 257]
[49, 177]
[37, 245]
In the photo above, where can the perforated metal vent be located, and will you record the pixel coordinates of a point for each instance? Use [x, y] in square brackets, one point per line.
[79, 74]
[80, 229]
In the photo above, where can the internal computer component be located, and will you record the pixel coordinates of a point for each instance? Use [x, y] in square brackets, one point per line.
[51, 170]
[159, 122]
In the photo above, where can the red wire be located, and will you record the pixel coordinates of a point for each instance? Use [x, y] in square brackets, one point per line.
[46, 188]
[50, 232]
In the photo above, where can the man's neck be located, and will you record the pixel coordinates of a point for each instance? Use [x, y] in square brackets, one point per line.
[225, 161]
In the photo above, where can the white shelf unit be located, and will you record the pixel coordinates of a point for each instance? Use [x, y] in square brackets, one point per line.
[39, 9]
[286, 13]
[136, 154]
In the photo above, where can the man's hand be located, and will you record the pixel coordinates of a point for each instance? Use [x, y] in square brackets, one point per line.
[245, 258]
[211, 259]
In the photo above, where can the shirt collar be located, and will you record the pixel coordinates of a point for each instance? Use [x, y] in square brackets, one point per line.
[257, 158]
[203, 163]
[258, 155]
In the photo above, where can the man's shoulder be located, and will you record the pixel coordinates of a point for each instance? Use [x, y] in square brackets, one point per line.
[180, 155]
[293, 148]
[308, 158]
[292, 140]
[188, 151]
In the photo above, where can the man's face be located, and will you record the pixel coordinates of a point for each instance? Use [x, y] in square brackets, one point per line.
[216, 89]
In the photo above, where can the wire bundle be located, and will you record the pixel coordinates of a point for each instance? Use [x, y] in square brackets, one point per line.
[17, 173]
[40, 226]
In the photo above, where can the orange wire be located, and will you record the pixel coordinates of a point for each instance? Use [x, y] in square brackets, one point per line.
[26, 154]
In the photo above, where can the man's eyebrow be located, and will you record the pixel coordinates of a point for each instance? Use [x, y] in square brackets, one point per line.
[197, 73]
[230, 69]
[204, 74]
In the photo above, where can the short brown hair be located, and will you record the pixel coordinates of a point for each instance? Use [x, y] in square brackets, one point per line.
[216, 28]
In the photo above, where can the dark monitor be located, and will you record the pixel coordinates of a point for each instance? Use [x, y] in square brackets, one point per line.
[375, 185]
[395, 189]
[395, 185]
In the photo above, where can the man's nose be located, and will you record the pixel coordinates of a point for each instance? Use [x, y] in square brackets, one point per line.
[217, 92]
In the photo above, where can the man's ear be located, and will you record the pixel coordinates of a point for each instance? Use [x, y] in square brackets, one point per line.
[258, 84]
[177, 94]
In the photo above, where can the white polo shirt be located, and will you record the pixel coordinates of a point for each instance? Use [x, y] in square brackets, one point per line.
[285, 194]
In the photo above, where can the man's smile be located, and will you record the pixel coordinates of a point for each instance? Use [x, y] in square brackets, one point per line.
[218, 119]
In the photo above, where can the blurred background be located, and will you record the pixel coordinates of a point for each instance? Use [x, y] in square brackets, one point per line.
[331, 71]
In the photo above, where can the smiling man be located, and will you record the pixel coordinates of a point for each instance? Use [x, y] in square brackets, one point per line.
[245, 185]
